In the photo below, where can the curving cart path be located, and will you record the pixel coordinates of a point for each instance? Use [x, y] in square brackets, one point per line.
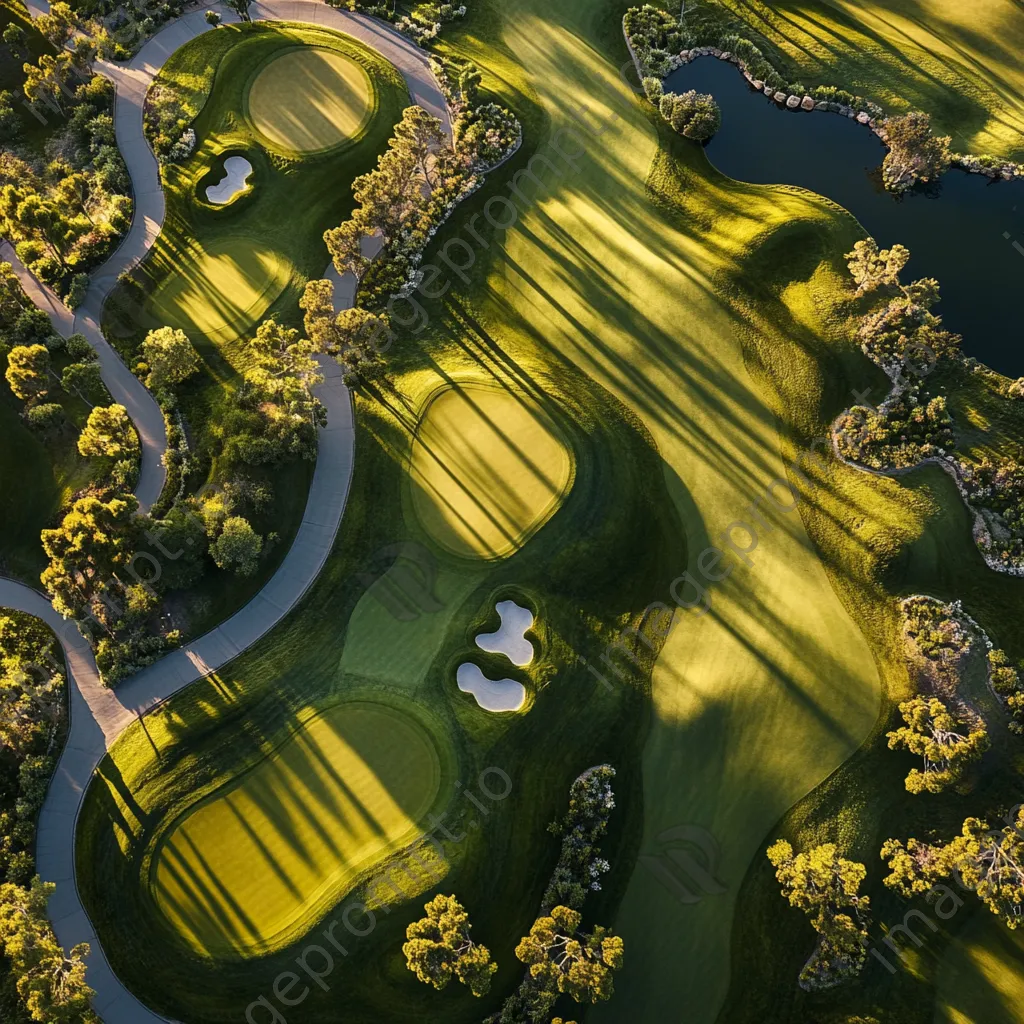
[98, 714]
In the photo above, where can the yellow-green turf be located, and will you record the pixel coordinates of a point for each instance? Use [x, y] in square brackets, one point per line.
[488, 469]
[960, 62]
[981, 978]
[309, 99]
[247, 869]
[224, 289]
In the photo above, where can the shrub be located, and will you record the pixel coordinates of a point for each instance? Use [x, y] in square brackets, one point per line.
[47, 419]
[695, 115]
[79, 349]
[653, 88]
[77, 291]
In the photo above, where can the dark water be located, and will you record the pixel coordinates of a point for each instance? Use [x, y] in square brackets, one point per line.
[955, 231]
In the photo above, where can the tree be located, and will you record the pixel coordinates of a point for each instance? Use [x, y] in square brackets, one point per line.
[344, 243]
[932, 732]
[31, 694]
[285, 372]
[28, 371]
[693, 114]
[58, 25]
[15, 38]
[420, 134]
[871, 269]
[914, 153]
[822, 884]
[238, 547]
[93, 542]
[109, 431]
[46, 81]
[43, 220]
[988, 861]
[351, 336]
[84, 380]
[439, 948]
[212, 18]
[13, 300]
[564, 960]
[50, 982]
[241, 8]
[171, 357]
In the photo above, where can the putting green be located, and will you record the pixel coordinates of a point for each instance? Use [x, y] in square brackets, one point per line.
[223, 289]
[489, 468]
[250, 867]
[309, 99]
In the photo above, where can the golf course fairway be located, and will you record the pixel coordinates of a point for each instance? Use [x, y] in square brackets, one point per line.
[245, 870]
[488, 470]
[309, 99]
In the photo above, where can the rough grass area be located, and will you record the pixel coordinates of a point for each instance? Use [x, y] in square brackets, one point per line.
[960, 62]
[216, 272]
[249, 868]
[307, 100]
[487, 470]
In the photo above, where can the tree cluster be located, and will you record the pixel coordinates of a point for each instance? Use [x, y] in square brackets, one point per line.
[66, 211]
[693, 114]
[825, 886]
[1005, 680]
[987, 861]
[943, 741]
[915, 154]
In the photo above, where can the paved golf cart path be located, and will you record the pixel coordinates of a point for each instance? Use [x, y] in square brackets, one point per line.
[99, 715]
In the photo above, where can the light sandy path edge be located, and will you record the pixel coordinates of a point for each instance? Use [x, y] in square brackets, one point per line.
[99, 715]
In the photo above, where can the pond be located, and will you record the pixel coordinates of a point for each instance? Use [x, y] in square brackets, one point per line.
[960, 231]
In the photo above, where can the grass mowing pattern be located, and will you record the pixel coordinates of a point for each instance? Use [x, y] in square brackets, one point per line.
[488, 470]
[309, 99]
[239, 874]
[959, 62]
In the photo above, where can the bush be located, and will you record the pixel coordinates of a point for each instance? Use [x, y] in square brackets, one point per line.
[695, 115]
[47, 420]
[77, 291]
[79, 349]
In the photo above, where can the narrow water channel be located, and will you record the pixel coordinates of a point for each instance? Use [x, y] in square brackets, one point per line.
[956, 231]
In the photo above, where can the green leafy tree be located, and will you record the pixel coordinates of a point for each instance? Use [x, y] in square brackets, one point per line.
[824, 885]
[564, 960]
[109, 432]
[84, 380]
[872, 268]
[353, 336]
[988, 861]
[915, 154]
[940, 738]
[420, 134]
[58, 25]
[46, 81]
[438, 948]
[31, 691]
[28, 371]
[171, 357]
[212, 18]
[94, 541]
[693, 114]
[344, 243]
[285, 372]
[238, 547]
[51, 982]
[15, 38]
[13, 300]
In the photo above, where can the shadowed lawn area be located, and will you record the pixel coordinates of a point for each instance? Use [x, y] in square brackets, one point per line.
[981, 979]
[249, 868]
[960, 62]
[488, 470]
[309, 99]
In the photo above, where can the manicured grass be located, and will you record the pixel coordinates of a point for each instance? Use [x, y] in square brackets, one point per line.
[216, 272]
[307, 99]
[689, 335]
[960, 62]
[982, 975]
[487, 471]
[250, 867]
